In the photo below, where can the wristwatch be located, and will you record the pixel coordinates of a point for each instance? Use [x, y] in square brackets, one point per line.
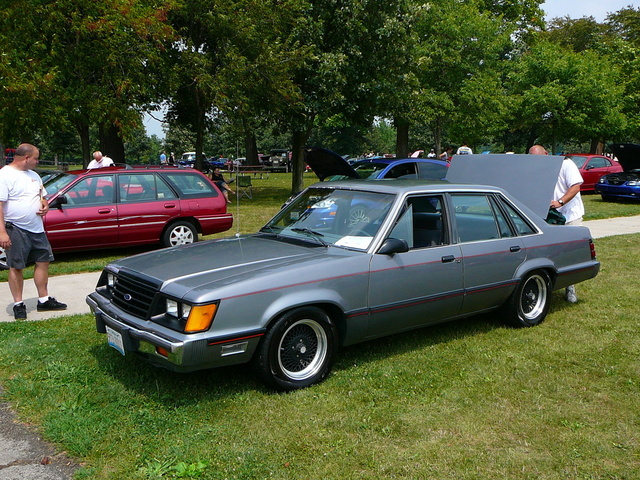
[560, 202]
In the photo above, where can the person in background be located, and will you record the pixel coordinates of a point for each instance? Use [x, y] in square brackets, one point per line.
[222, 184]
[22, 234]
[446, 155]
[464, 150]
[99, 161]
[172, 159]
[431, 154]
[163, 158]
[567, 200]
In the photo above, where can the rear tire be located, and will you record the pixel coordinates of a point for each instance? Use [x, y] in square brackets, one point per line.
[298, 350]
[179, 233]
[529, 303]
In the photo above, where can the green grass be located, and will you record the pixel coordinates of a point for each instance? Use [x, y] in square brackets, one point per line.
[596, 208]
[470, 399]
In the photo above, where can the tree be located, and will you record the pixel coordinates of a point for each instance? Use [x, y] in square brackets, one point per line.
[578, 34]
[622, 46]
[78, 63]
[458, 68]
[559, 95]
[232, 61]
[354, 46]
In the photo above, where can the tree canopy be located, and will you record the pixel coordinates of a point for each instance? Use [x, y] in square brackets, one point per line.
[250, 75]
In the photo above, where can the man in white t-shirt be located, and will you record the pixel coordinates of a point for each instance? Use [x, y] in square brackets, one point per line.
[22, 235]
[567, 200]
[100, 161]
[464, 150]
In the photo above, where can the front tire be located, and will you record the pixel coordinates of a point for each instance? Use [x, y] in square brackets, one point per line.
[179, 233]
[298, 350]
[529, 303]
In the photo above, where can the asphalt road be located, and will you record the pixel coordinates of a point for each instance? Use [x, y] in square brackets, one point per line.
[24, 456]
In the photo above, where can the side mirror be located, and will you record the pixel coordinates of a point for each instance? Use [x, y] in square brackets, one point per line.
[58, 202]
[391, 246]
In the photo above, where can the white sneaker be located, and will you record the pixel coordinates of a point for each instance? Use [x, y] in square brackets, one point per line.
[570, 294]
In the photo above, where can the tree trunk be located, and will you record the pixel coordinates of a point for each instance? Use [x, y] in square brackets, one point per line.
[437, 133]
[83, 132]
[199, 163]
[250, 146]
[111, 144]
[299, 139]
[597, 147]
[402, 137]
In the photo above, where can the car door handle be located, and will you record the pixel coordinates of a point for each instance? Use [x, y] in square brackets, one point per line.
[169, 205]
[448, 259]
[515, 248]
[104, 210]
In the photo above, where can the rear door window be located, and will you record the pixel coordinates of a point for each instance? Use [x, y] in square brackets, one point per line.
[141, 187]
[190, 184]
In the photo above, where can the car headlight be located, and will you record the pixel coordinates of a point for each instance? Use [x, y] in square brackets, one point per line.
[173, 308]
[111, 280]
[196, 318]
[633, 183]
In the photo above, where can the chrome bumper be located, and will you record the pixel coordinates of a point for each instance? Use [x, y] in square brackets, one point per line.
[147, 340]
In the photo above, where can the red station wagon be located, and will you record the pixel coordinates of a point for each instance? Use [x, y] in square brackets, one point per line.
[118, 207]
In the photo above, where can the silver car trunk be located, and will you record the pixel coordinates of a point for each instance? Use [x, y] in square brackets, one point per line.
[529, 178]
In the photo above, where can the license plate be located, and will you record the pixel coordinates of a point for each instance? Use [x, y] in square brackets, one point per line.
[114, 339]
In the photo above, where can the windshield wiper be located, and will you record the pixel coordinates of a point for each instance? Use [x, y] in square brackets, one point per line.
[313, 233]
[270, 229]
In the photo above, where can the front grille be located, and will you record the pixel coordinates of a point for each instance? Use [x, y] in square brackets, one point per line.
[134, 295]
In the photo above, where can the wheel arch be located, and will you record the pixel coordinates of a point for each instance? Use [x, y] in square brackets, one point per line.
[192, 220]
[333, 310]
[539, 264]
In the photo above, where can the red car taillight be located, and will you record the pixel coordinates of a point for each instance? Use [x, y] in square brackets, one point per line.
[592, 247]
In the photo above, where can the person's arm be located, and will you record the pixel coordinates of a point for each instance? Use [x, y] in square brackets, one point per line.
[5, 241]
[567, 197]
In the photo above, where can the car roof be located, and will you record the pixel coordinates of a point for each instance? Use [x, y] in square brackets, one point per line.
[389, 161]
[400, 187]
[128, 168]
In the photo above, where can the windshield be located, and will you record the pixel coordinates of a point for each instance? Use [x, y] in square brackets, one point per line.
[342, 218]
[578, 160]
[56, 183]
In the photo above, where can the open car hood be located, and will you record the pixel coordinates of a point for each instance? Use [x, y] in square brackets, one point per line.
[529, 178]
[326, 163]
[628, 154]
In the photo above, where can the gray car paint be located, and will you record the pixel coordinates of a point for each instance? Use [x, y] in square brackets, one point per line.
[529, 178]
[258, 277]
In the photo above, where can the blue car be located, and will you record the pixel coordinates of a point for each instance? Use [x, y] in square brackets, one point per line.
[330, 166]
[626, 184]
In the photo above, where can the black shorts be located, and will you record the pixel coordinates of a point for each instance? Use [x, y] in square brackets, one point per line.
[27, 247]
